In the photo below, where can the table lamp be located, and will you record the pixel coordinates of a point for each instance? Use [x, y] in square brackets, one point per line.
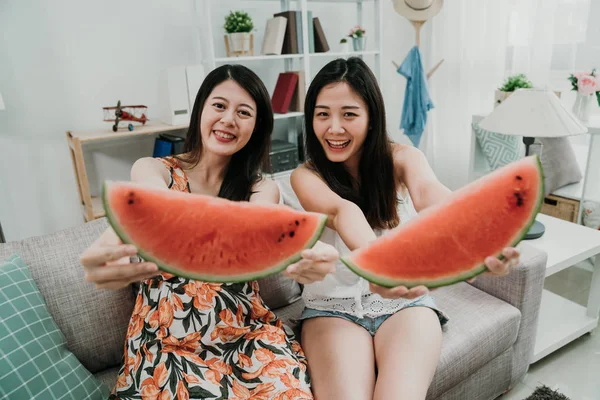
[533, 113]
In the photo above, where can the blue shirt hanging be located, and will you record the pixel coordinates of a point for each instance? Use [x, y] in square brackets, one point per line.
[416, 96]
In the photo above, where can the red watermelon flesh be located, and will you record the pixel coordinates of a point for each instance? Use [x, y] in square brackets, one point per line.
[208, 238]
[448, 243]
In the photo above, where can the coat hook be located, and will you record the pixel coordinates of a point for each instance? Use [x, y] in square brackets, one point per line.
[418, 25]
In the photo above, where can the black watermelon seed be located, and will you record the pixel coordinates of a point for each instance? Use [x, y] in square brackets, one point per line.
[130, 201]
[279, 240]
[519, 199]
[292, 233]
[519, 177]
[282, 235]
[131, 194]
[297, 223]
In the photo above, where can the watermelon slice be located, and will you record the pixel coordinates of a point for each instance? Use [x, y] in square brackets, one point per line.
[449, 242]
[206, 238]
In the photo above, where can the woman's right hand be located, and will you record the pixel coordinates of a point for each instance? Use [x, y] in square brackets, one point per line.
[106, 263]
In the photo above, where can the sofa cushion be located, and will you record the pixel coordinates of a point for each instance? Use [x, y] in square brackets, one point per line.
[35, 361]
[289, 315]
[499, 149]
[94, 322]
[108, 377]
[559, 163]
[481, 327]
[279, 291]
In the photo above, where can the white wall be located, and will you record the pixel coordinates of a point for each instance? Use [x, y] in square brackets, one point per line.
[62, 61]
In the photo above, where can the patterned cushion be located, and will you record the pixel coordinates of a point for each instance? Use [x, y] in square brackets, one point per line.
[76, 306]
[499, 149]
[34, 360]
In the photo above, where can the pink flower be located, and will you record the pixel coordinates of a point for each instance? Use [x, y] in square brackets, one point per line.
[587, 85]
[357, 31]
[580, 74]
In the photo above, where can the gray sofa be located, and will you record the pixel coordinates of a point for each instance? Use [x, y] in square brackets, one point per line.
[486, 344]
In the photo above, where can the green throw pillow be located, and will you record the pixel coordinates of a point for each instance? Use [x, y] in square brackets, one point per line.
[499, 149]
[34, 360]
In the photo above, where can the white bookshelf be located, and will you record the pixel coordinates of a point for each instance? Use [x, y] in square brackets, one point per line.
[206, 23]
[211, 40]
[219, 60]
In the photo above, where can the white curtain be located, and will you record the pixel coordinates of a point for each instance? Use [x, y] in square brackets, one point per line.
[472, 37]
[482, 42]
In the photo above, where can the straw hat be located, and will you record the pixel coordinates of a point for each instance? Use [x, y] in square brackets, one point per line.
[418, 10]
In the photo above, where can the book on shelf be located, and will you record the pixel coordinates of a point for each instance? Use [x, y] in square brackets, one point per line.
[297, 103]
[284, 91]
[290, 42]
[311, 32]
[293, 42]
[321, 45]
[274, 36]
[299, 37]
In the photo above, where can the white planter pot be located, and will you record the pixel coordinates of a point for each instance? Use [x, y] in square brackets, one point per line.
[345, 47]
[239, 42]
[500, 96]
[360, 43]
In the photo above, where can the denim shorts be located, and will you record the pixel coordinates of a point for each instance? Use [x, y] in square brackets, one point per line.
[372, 324]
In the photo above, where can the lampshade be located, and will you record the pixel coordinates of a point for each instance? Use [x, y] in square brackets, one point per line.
[533, 113]
[1, 102]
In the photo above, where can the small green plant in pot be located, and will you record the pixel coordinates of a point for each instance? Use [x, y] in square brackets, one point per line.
[238, 26]
[344, 45]
[511, 84]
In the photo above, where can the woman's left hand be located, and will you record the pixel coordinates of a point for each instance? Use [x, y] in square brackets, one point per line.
[495, 267]
[502, 267]
[316, 263]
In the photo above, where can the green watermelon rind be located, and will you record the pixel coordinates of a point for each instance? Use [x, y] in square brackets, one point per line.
[467, 274]
[114, 223]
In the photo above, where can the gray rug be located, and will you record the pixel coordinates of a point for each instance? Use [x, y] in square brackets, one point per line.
[545, 393]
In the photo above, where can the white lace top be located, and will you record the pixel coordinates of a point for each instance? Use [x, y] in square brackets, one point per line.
[346, 292]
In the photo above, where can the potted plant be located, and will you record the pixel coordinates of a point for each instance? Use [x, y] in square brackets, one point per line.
[587, 86]
[511, 84]
[238, 26]
[344, 45]
[358, 38]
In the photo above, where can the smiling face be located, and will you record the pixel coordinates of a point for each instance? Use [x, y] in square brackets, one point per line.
[228, 119]
[340, 122]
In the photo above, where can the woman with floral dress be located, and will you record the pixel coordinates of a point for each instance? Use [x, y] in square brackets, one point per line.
[189, 339]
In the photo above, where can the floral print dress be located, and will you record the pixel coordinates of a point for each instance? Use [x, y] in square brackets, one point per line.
[197, 340]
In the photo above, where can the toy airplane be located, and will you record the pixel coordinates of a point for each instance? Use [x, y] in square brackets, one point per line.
[125, 113]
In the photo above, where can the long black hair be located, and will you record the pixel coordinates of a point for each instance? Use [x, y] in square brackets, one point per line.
[244, 169]
[375, 190]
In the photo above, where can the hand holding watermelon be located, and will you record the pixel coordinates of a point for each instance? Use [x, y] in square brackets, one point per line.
[106, 263]
[502, 267]
[316, 263]
[495, 267]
